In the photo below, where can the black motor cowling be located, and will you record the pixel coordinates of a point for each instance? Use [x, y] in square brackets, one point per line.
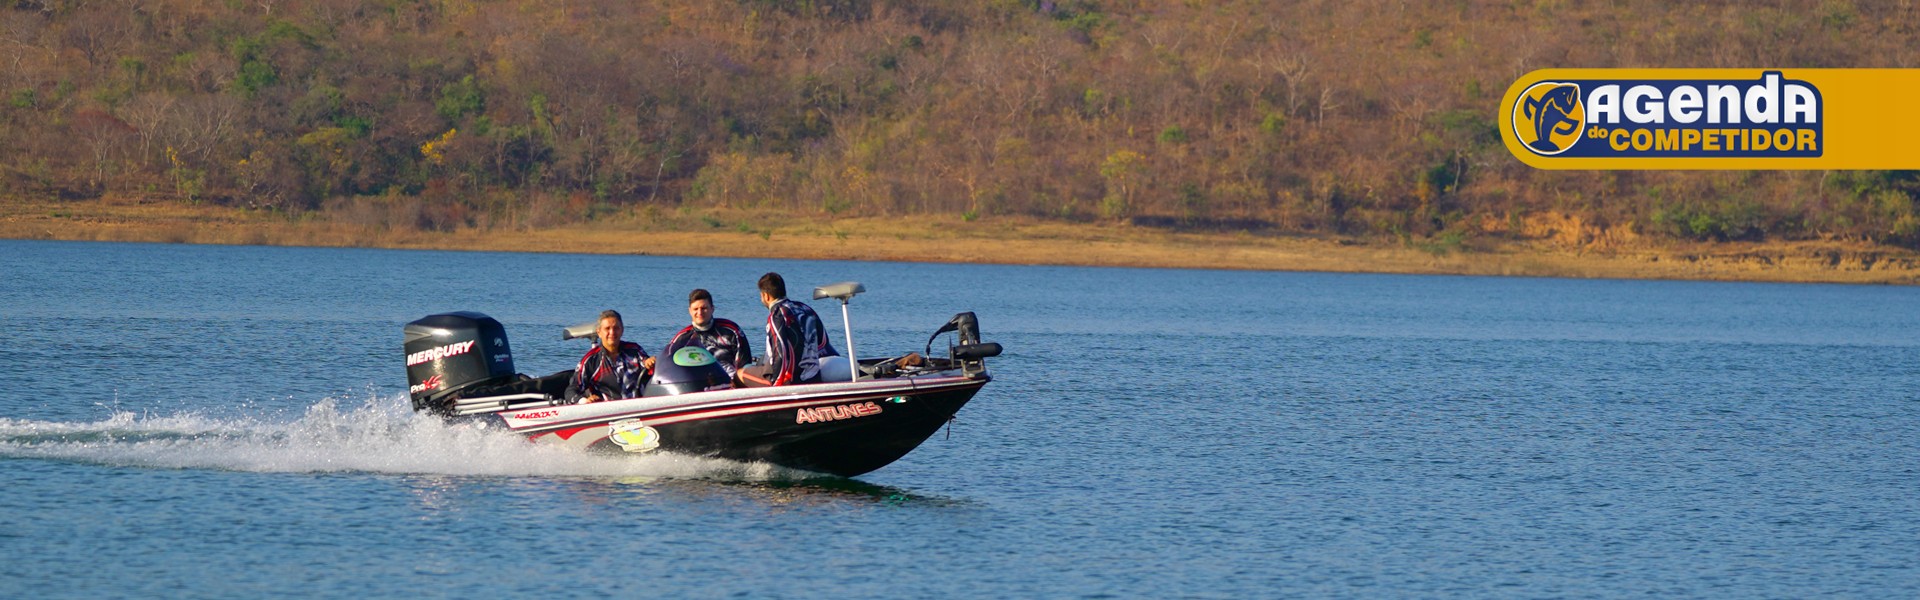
[448, 353]
[687, 370]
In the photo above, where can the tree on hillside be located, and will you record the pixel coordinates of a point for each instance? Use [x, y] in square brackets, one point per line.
[1312, 117]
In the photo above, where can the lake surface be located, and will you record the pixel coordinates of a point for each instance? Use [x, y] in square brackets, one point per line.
[231, 422]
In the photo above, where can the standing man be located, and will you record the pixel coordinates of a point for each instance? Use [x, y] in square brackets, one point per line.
[613, 369]
[795, 338]
[721, 337]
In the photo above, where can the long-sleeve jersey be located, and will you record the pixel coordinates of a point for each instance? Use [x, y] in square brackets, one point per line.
[610, 376]
[723, 338]
[795, 342]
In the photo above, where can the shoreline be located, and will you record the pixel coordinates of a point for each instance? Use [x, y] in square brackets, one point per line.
[993, 240]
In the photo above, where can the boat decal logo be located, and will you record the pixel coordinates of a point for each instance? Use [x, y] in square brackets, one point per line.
[540, 414]
[835, 413]
[633, 435]
[692, 356]
[433, 354]
[432, 383]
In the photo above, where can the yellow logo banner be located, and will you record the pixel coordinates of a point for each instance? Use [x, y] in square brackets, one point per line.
[1763, 119]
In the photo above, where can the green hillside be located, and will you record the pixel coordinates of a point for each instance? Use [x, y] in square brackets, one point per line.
[1319, 117]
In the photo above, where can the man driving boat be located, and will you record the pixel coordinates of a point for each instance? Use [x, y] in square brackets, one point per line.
[613, 369]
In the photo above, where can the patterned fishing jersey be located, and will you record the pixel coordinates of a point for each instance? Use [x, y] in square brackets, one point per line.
[723, 338]
[795, 342]
[610, 376]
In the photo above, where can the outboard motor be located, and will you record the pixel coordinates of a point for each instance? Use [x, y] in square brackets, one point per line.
[453, 352]
[690, 369]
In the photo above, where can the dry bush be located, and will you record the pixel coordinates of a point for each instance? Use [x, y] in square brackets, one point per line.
[1315, 116]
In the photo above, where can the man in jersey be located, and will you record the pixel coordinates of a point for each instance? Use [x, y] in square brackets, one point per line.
[613, 369]
[721, 337]
[795, 338]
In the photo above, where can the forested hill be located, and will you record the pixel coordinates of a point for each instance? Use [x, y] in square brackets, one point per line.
[1356, 118]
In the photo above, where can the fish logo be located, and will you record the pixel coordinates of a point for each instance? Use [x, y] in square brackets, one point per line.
[633, 435]
[1549, 118]
[692, 356]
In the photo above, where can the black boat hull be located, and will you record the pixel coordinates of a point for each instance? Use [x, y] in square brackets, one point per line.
[844, 429]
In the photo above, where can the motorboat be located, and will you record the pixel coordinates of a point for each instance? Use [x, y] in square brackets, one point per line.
[863, 416]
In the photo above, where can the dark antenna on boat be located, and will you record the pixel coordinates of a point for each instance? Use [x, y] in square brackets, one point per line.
[843, 292]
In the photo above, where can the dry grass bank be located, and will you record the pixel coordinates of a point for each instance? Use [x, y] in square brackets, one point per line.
[995, 240]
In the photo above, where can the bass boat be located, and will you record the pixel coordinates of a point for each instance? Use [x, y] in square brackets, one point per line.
[867, 414]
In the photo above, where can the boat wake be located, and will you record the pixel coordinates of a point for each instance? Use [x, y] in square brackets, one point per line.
[378, 435]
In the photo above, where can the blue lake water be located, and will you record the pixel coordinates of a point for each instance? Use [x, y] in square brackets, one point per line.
[231, 422]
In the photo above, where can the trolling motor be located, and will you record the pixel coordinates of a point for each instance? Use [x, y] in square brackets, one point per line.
[971, 352]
